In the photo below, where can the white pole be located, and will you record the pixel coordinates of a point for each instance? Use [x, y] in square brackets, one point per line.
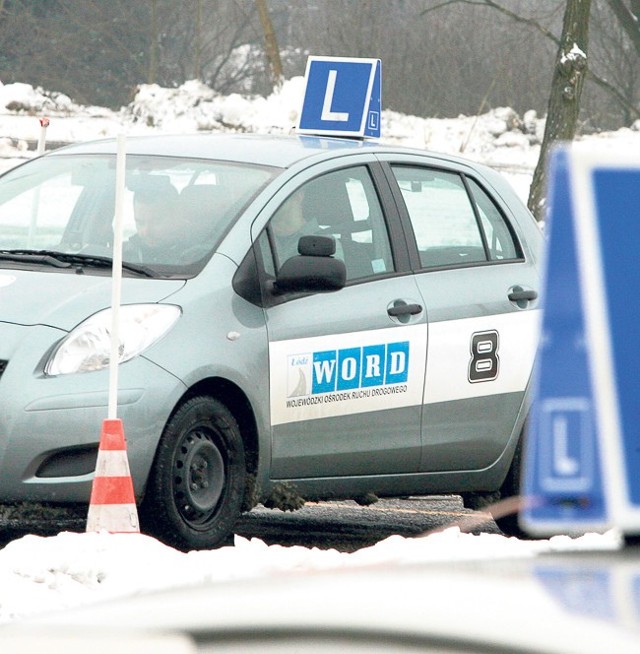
[35, 204]
[44, 123]
[117, 279]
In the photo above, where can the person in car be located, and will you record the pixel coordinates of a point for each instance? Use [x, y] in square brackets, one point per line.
[293, 220]
[289, 223]
[158, 237]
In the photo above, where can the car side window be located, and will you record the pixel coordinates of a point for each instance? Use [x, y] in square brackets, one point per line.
[342, 204]
[455, 221]
[442, 215]
[500, 242]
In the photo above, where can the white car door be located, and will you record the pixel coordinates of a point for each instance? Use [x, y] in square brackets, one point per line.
[479, 288]
[347, 367]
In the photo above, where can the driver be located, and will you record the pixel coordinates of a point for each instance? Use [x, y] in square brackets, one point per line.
[158, 238]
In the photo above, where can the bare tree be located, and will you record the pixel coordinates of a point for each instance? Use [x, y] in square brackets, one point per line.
[629, 18]
[566, 91]
[438, 58]
[612, 88]
[217, 42]
[153, 45]
[271, 43]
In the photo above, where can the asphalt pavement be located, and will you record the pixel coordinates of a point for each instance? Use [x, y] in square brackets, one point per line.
[345, 525]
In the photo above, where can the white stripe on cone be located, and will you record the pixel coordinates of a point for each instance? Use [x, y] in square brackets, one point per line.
[112, 506]
[114, 518]
[111, 463]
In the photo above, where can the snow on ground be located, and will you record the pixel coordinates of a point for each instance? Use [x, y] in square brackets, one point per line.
[500, 137]
[40, 574]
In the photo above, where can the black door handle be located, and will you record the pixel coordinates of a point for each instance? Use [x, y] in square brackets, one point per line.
[404, 309]
[522, 295]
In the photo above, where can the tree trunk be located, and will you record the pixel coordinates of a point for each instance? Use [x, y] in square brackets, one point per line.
[564, 100]
[271, 44]
[197, 68]
[152, 71]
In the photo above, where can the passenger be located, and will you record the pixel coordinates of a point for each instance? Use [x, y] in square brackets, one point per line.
[289, 223]
[294, 219]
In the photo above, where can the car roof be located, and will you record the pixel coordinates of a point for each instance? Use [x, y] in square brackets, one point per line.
[277, 150]
[542, 604]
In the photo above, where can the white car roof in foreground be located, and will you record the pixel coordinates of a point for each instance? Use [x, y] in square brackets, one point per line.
[472, 606]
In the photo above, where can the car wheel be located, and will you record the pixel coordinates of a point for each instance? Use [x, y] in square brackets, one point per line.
[195, 491]
[510, 488]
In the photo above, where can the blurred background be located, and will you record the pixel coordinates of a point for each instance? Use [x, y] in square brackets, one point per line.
[441, 58]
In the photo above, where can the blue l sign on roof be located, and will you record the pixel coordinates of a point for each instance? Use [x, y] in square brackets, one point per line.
[342, 97]
[583, 451]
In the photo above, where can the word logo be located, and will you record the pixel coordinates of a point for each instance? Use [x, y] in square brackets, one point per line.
[329, 371]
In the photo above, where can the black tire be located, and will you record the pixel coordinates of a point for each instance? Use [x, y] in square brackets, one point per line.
[197, 483]
[508, 523]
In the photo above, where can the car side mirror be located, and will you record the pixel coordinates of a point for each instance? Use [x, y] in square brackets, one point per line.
[314, 269]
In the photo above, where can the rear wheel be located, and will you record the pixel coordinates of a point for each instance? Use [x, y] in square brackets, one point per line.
[510, 488]
[195, 491]
[503, 504]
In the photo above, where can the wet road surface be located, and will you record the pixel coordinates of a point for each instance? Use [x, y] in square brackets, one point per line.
[345, 526]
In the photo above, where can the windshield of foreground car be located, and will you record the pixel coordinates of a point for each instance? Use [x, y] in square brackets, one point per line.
[175, 210]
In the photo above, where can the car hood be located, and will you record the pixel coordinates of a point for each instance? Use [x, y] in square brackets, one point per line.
[65, 300]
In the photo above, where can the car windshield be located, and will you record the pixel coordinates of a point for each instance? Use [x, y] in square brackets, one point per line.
[175, 211]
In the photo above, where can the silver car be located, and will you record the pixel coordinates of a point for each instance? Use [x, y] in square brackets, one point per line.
[301, 318]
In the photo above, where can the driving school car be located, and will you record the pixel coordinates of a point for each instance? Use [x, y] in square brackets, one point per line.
[390, 356]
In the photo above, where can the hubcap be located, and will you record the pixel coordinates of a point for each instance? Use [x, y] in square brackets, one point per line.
[199, 476]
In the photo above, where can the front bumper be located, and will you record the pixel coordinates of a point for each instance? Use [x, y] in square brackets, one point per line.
[50, 426]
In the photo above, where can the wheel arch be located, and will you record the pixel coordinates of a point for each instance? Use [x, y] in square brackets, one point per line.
[235, 399]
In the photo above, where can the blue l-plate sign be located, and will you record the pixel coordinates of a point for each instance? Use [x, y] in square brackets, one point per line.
[562, 471]
[342, 97]
[583, 446]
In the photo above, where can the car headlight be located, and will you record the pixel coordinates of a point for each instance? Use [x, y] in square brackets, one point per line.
[88, 346]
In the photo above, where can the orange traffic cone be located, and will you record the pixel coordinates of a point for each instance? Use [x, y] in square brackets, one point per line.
[113, 505]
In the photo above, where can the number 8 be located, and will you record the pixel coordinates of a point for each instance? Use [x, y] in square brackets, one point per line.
[484, 362]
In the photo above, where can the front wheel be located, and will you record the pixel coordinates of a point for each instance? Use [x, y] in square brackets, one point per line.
[196, 487]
